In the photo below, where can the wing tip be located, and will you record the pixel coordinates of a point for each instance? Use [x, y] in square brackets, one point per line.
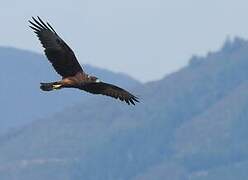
[38, 24]
[133, 100]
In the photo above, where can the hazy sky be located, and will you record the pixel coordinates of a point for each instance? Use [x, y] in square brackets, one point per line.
[144, 38]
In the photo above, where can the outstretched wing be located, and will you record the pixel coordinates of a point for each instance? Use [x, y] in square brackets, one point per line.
[57, 51]
[111, 90]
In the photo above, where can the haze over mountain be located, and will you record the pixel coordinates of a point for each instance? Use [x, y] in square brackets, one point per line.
[22, 100]
[189, 125]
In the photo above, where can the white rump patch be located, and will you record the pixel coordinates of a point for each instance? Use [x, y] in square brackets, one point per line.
[98, 80]
[56, 86]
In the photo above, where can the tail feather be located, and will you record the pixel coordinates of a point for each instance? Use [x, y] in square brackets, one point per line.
[50, 86]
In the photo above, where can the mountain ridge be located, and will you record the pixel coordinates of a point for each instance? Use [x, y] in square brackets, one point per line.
[21, 71]
[189, 125]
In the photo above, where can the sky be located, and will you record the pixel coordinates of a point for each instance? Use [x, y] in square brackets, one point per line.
[146, 39]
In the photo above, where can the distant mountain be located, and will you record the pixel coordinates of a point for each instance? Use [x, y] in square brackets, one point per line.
[20, 97]
[191, 124]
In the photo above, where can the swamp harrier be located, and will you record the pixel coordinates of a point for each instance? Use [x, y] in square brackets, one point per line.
[65, 63]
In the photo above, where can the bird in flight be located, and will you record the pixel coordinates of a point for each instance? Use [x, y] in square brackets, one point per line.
[65, 64]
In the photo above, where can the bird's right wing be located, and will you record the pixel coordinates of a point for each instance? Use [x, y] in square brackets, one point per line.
[57, 51]
[110, 90]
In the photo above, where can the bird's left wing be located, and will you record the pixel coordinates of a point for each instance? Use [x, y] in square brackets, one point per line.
[110, 90]
[57, 51]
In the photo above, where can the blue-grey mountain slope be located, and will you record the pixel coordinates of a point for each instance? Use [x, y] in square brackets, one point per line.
[189, 125]
[20, 97]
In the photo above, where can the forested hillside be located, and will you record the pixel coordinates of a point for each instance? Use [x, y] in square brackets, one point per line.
[191, 125]
[20, 97]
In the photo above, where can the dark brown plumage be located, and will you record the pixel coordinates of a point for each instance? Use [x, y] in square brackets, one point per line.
[65, 63]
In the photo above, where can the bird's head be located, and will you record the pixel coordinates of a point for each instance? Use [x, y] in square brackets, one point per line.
[94, 79]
